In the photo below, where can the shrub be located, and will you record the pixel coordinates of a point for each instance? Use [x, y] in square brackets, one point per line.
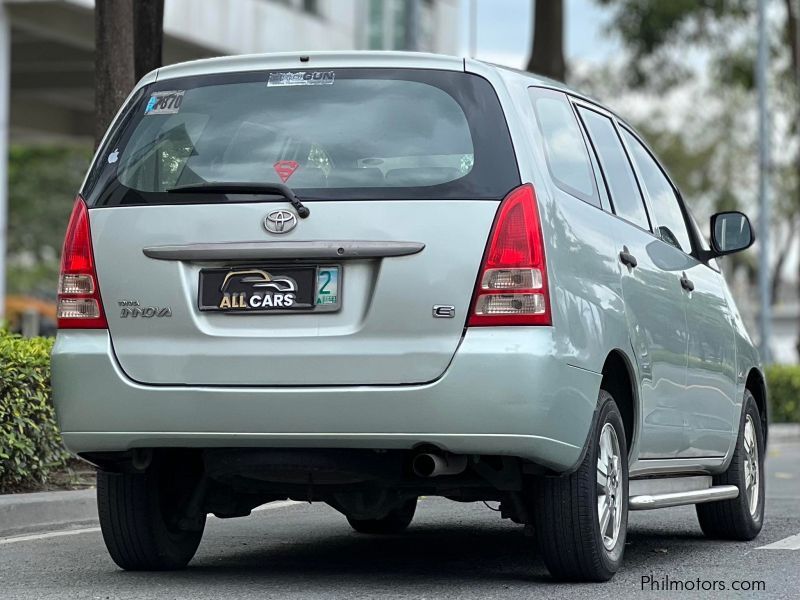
[783, 389]
[30, 444]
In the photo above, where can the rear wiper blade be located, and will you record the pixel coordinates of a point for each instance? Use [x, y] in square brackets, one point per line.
[225, 187]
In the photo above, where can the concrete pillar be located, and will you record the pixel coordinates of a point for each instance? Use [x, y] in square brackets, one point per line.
[5, 93]
[31, 323]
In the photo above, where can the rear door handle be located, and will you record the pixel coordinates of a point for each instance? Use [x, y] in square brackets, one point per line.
[628, 259]
[687, 283]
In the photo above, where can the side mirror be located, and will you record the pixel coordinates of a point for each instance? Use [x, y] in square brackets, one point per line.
[730, 232]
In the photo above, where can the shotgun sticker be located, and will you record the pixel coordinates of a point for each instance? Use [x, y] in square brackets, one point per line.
[164, 103]
[287, 78]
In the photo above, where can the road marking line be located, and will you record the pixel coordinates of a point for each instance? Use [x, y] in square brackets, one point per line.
[49, 534]
[790, 543]
[55, 534]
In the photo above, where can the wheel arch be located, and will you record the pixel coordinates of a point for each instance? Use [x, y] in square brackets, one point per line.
[756, 383]
[619, 381]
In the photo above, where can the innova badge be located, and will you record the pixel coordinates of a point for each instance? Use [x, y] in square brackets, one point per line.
[280, 221]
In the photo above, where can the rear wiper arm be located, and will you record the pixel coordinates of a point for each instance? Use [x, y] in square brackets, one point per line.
[223, 187]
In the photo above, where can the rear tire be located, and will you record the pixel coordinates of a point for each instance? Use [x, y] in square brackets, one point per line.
[740, 518]
[570, 511]
[395, 522]
[138, 518]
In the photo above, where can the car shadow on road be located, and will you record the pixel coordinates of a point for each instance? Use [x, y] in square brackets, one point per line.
[472, 553]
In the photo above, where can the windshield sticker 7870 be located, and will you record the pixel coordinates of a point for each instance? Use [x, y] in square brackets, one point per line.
[164, 103]
[286, 78]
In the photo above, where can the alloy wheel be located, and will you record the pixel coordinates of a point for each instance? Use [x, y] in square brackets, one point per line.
[609, 486]
[751, 466]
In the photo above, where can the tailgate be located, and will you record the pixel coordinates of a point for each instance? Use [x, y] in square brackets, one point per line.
[383, 332]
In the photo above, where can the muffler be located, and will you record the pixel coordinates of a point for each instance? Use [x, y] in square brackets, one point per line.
[430, 464]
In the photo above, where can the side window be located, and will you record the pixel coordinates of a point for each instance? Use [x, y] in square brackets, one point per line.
[667, 213]
[625, 195]
[565, 150]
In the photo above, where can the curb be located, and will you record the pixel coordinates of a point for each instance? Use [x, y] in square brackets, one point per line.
[784, 432]
[23, 513]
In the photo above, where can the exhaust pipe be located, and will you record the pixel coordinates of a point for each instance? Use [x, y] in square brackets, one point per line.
[428, 464]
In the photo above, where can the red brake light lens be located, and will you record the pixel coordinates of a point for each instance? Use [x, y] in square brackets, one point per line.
[512, 284]
[79, 304]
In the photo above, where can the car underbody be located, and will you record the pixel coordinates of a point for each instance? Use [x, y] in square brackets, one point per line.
[363, 484]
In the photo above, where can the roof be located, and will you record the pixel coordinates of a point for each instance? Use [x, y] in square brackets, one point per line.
[325, 60]
[348, 59]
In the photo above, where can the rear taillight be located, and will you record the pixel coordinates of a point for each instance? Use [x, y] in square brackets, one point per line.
[79, 305]
[512, 284]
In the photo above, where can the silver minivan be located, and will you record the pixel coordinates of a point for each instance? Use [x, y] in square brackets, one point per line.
[362, 278]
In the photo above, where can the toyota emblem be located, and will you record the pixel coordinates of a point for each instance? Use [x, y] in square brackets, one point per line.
[280, 221]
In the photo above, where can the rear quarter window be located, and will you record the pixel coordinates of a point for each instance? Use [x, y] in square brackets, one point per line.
[565, 150]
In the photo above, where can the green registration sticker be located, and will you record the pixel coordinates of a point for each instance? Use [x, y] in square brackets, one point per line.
[327, 286]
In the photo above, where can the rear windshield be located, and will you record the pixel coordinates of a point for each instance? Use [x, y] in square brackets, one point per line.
[339, 134]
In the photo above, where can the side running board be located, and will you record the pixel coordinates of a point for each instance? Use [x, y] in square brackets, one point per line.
[665, 500]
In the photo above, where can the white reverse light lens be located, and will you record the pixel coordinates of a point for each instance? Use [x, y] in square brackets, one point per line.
[78, 308]
[76, 284]
[512, 279]
[510, 304]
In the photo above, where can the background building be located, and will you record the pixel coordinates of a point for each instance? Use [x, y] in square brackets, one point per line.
[50, 86]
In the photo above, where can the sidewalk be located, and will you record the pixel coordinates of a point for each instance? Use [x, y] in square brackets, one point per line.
[25, 513]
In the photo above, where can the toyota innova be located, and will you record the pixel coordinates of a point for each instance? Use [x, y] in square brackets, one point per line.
[362, 278]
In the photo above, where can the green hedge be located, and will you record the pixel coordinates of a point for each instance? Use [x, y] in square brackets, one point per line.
[783, 389]
[30, 444]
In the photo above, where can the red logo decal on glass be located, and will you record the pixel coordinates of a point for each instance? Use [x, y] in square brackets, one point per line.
[285, 169]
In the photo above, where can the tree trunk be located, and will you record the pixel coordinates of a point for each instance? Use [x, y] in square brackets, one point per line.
[547, 53]
[148, 27]
[128, 44]
[114, 74]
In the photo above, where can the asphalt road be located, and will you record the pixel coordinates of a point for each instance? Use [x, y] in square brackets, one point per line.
[450, 551]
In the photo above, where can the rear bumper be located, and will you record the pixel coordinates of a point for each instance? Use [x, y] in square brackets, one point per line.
[505, 392]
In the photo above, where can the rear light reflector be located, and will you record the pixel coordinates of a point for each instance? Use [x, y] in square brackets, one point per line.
[510, 304]
[512, 285]
[78, 308]
[79, 304]
[511, 279]
[75, 284]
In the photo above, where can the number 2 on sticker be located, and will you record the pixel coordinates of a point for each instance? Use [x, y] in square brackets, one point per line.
[322, 290]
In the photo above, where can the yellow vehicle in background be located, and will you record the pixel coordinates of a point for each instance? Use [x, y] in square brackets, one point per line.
[30, 316]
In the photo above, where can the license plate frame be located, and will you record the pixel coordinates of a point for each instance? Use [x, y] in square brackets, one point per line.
[316, 289]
